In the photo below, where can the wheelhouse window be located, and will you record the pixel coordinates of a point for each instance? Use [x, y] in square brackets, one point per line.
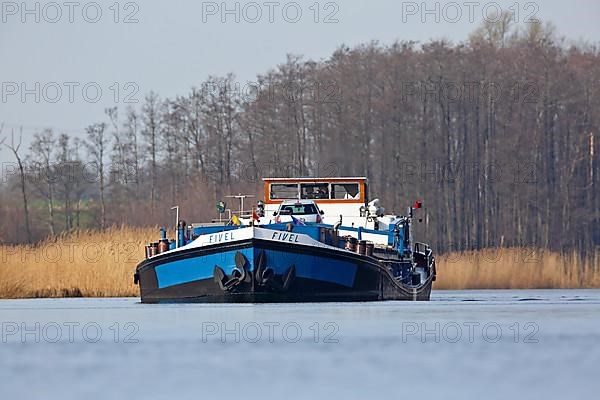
[284, 191]
[345, 191]
[314, 191]
[298, 209]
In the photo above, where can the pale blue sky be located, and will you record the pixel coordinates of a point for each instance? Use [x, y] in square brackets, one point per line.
[171, 48]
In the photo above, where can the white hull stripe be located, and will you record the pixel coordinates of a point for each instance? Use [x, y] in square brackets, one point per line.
[238, 235]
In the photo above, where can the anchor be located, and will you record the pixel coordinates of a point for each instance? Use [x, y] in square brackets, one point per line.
[238, 275]
[265, 276]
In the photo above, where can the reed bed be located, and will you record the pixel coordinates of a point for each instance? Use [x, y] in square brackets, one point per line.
[516, 268]
[101, 264]
[80, 264]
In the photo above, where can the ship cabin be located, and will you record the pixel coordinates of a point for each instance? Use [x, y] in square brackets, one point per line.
[334, 196]
[343, 201]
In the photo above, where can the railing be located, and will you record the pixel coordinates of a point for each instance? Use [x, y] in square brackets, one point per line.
[422, 248]
[425, 251]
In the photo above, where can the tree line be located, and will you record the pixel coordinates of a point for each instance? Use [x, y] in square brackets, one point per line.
[497, 135]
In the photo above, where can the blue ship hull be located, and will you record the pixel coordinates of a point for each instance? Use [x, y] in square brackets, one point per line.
[259, 270]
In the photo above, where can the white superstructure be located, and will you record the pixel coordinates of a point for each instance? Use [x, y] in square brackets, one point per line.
[334, 196]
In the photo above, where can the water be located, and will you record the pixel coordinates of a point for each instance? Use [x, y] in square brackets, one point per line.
[530, 344]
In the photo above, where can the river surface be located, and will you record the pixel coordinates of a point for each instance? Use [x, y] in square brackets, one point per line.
[534, 344]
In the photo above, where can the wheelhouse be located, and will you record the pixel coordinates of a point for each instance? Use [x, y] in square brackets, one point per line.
[322, 190]
[335, 196]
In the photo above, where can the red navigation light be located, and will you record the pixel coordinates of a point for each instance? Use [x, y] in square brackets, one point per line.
[417, 204]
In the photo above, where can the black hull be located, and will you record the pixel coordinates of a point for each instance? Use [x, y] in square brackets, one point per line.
[291, 280]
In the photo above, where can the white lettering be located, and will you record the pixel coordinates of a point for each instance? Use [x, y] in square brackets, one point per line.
[221, 237]
[286, 237]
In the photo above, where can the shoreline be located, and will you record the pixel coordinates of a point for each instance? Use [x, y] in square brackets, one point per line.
[94, 264]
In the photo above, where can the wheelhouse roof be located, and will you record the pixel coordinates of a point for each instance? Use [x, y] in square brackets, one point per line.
[298, 201]
[307, 179]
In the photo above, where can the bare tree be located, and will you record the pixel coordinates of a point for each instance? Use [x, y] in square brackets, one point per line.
[97, 143]
[80, 182]
[15, 147]
[150, 132]
[131, 132]
[42, 154]
[69, 177]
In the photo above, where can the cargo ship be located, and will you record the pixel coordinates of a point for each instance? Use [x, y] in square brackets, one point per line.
[309, 240]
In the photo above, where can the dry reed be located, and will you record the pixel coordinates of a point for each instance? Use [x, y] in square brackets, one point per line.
[101, 264]
[85, 263]
[516, 268]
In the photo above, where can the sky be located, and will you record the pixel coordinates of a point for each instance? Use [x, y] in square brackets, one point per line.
[63, 63]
